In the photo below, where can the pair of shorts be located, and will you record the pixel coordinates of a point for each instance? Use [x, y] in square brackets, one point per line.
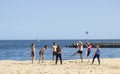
[40, 53]
[54, 53]
[32, 54]
[80, 52]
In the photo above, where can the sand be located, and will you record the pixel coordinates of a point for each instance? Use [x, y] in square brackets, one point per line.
[108, 66]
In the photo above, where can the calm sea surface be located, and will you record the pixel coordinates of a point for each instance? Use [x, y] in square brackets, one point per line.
[21, 49]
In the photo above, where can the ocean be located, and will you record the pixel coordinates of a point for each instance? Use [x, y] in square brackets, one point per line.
[21, 49]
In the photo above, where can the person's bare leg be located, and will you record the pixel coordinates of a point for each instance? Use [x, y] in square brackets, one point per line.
[32, 60]
[81, 57]
[53, 57]
[74, 54]
[42, 58]
[39, 59]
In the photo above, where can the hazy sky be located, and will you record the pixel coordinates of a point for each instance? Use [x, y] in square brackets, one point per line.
[59, 19]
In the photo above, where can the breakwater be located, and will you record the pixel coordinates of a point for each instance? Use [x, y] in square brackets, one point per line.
[102, 45]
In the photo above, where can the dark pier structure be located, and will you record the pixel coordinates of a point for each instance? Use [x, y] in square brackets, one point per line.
[101, 44]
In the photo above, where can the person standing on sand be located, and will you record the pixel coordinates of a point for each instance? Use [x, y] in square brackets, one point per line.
[58, 55]
[33, 53]
[41, 53]
[89, 46]
[80, 51]
[54, 49]
[97, 54]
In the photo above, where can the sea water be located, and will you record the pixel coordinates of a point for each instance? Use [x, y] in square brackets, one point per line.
[21, 49]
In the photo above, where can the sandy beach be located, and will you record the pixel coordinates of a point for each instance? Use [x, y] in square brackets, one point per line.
[108, 66]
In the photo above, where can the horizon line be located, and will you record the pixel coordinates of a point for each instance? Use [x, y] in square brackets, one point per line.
[58, 39]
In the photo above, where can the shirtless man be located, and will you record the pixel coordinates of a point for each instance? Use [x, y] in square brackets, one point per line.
[41, 53]
[54, 50]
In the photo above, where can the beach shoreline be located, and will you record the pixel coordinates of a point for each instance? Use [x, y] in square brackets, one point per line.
[111, 66]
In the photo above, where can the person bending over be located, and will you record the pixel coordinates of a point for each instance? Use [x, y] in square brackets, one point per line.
[41, 53]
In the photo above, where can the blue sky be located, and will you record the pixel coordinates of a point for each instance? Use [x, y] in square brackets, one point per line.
[59, 19]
